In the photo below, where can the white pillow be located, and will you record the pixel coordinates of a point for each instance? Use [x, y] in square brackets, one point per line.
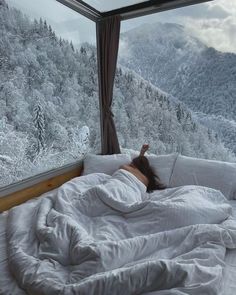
[163, 166]
[107, 164]
[214, 174]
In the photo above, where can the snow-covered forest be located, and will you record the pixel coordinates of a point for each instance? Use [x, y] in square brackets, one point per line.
[180, 64]
[144, 113]
[49, 109]
[48, 98]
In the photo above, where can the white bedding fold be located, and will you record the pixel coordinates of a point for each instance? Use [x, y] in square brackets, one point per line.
[99, 234]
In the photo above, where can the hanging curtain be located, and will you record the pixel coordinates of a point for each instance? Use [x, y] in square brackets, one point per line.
[108, 33]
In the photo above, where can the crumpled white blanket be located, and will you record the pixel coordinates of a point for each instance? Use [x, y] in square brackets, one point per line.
[101, 234]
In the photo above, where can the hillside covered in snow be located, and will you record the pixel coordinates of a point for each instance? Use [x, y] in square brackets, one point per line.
[49, 108]
[181, 65]
[177, 62]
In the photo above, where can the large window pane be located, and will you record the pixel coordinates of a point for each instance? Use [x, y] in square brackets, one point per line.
[49, 109]
[176, 82]
[107, 5]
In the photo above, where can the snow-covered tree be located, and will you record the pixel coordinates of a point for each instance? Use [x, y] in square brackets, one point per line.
[39, 123]
[49, 107]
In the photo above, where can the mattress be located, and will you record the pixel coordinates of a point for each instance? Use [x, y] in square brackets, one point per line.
[8, 285]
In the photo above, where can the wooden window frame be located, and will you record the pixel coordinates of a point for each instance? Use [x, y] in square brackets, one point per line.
[22, 191]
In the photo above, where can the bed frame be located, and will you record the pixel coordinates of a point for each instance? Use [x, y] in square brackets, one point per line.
[36, 186]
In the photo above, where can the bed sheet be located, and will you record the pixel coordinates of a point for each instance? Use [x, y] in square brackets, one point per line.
[229, 281]
[8, 286]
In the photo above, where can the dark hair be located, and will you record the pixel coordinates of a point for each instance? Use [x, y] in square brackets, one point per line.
[142, 164]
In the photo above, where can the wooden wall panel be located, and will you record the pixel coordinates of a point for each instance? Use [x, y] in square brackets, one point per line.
[36, 190]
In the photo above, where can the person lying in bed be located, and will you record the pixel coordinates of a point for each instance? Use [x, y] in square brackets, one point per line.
[141, 169]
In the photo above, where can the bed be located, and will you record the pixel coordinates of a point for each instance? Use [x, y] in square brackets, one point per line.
[217, 210]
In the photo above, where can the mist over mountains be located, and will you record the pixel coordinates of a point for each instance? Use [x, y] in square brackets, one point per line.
[49, 106]
[177, 62]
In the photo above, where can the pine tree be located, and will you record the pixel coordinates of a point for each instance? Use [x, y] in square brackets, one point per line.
[3, 3]
[72, 46]
[83, 50]
[45, 26]
[41, 23]
[179, 112]
[39, 123]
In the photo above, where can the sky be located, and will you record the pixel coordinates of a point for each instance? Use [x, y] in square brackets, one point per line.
[214, 22]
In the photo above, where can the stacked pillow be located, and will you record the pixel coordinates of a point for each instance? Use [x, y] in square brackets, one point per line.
[174, 170]
[214, 174]
[163, 165]
[107, 164]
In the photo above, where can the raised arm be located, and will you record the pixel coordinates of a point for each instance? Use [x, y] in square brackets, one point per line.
[143, 150]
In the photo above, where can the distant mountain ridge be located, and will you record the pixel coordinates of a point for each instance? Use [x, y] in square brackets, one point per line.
[180, 64]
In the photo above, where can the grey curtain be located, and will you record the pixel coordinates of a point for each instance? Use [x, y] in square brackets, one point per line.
[108, 33]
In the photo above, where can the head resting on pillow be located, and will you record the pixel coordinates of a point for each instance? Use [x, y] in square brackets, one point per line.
[142, 164]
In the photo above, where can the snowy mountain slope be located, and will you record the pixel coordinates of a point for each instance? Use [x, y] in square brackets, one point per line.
[144, 113]
[44, 84]
[178, 63]
[225, 129]
[49, 107]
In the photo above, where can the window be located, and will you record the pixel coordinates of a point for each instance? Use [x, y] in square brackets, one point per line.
[49, 108]
[176, 82]
[107, 5]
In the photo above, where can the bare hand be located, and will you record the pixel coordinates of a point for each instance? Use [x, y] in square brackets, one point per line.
[144, 148]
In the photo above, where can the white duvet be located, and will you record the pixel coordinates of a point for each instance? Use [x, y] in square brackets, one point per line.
[101, 234]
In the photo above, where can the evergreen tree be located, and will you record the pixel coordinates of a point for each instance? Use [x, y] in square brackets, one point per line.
[72, 46]
[39, 123]
[3, 3]
[179, 113]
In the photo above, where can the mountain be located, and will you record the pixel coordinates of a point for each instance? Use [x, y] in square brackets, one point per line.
[144, 113]
[178, 63]
[49, 107]
[225, 129]
[48, 95]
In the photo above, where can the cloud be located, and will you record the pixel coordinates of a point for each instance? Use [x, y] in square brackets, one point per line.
[67, 23]
[214, 23]
[217, 12]
[78, 30]
[227, 5]
[48, 9]
[218, 31]
[201, 11]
